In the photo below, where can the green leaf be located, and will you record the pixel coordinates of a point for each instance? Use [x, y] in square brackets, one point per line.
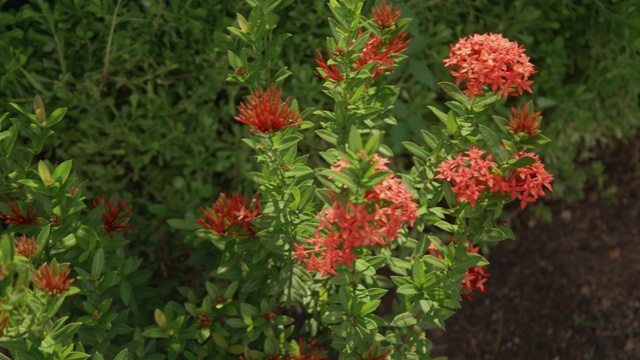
[404, 320]
[369, 307]
[454, 92]
[407, 290]
[373, 143]
[183, 224]
[521, 162]
[97, 264]
[155, 332]
[62, 171]
[45, 173]
[161, 320]
[56, 116]
[416, 150]
[355, 140]
[439, 114]
[338, 177]
[451, 123]
[494, 144]
[328, 136]
[122, 355]
[220, 341]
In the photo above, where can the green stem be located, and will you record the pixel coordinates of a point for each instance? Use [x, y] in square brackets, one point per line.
[56, 40]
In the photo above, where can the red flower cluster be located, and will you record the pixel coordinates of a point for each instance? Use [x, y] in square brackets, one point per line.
[523, 122]
[27, 218]
[525, 183]
[471, 175]
[265, 113]
[382, 54]
[114, 220]
[52, 279]
[227, 213]
[474, 278]
[385, 15]
[26, 247]
[491, 60]
[329, 72]
[345, 227]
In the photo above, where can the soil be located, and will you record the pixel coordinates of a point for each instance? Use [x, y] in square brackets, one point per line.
[565, 290]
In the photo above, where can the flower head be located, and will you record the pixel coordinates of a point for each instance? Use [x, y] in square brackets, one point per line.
[327, 72]
[26, 218]
[491, 60]
[26, 247]
[114, 219]
[382, 54]
[475, 277]
[385, 15]
[52, 278]
[521, 121]
[235, 212]
[265, 113]
[469, 173]
[526, 183]
[345, 227]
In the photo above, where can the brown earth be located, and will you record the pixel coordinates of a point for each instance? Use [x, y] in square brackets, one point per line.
[566, 290]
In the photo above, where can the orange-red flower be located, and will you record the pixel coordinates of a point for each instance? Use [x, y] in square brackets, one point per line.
[521, 121]
[382, 54]
[114, 220]
[345, 227]
[234, 213]
[525, 183]
[475, 277]
[327, 72]
[52, 278]
[265, 113]
[385, 15]
[470, 174]
[491, 60]
[26, 247]
[19, 218]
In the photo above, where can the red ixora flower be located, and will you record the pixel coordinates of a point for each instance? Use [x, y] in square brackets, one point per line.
[27, 218]
[232, 212]
[52, 278]
[521, 121]
[526, 183]
[470, 174]
[26, 247]
[114, 220]
[308, 353]
[327, 72]
[265, 113]
[345, 227]
[385, 15]
[492, 60]
[382, 54]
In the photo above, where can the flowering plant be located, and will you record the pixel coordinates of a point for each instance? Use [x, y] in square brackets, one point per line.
[351, 259]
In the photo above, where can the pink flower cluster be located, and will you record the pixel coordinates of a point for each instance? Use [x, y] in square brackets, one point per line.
[345, 227]
[471, 175]
[491, 60]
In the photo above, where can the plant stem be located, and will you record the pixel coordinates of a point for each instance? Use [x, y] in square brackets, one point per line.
[107, 55]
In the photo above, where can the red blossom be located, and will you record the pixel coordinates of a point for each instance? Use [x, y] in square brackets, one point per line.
[382, 54]
[521, 121]
[470, 174]
[372, 354]
[229, 213]
[308, 353]
[491, 60]
[52, 279]
[114, 220]
[526, 183]
[328, 72]
[265, 113]
[344, 227]
[27, 218]
[385, 15]
[26, 247]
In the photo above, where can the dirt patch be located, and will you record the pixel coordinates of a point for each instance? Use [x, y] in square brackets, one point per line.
[566, 290]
